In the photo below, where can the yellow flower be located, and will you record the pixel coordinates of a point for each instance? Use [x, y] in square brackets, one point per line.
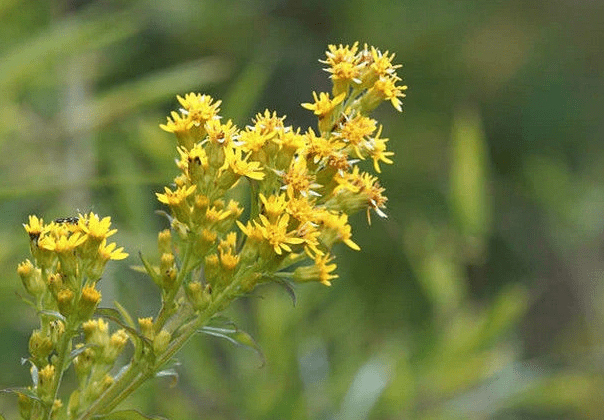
[355, 132]
[298, 180]
[377, 151]
[339, 54]
[387, 89]
[338, 229]
[222, 134]
[320, 271]
[274, 205]
[62, 244]
[175, 198]
[177, 124]
[34, 228]
[359, 190]
[275, 234]
[324, 106]
[382, 63]
[268, 124]
[320, 148]
[239, 165]
[110, 252]
[96, 228]
[199, 108]
[228, 260]
[252, 140]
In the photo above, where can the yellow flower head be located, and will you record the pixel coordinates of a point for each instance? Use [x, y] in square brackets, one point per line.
[298, 180]
[377, 151]
[34, 228]
[355, 132]
[274, 205]
[340, 230]
[277, 234]
[175, 198]
[199, 108]
[177, 124]
[95, 227]
[239, 165]
[110, 252]
[221, 134]
[387, 89]
[324, 106]
[268, 124]
[381, 63]
[62, 244]
[341, 54]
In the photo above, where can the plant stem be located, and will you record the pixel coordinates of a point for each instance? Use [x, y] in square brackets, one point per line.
[63, 350]
[138, 373]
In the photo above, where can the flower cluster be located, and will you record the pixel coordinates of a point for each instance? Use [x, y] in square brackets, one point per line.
[263, 203]
[69, 256]
[303, 184]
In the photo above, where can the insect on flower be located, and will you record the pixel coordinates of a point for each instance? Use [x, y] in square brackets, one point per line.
[72, 220]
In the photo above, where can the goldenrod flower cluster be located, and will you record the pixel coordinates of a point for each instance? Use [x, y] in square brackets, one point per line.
[303, 184]
[69, 256]
[262, 203]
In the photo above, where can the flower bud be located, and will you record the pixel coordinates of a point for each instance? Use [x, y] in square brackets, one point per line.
[31, 278]
[65, 301]
[199, 296]
[88, 302]
[146, 327]
[55, 284]
[96, 331]
[57, 328]
[161, 342]
[83, 362]
[40, 345]
[117, 342]
[56, 406]
[46, 377]
[164, 241]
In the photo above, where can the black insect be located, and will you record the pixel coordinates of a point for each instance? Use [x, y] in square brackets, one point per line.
[72, 220]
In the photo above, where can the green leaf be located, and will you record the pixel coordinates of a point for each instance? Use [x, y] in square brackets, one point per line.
[231, 333]
[171, 373]
[25, 391]
[33, 371]
[125, 315]
[127, 415]
[288, 286]
[53, 314]
[150, 270]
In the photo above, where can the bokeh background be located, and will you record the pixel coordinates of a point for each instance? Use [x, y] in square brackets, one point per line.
[480, 297]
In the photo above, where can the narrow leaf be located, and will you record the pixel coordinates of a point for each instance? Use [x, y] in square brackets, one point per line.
[150, 269]
[289, 288]
[171, 373]
[53, 314]
[235, 336]
[25, 391]
[125, 315]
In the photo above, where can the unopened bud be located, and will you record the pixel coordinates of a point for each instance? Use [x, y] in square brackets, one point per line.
[161, 341]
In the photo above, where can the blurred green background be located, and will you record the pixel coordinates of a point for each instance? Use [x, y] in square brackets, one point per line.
[480, 297]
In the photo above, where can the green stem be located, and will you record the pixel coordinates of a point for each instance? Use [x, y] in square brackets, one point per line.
[138, 373]
[166, 309]
[63, 350]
